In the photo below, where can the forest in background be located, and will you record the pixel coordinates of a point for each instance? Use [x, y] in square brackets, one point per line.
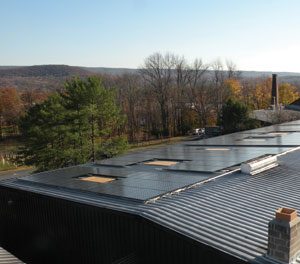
[63, 116]
[167, 96]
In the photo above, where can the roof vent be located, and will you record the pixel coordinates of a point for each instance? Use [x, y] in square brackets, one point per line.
[259, 165]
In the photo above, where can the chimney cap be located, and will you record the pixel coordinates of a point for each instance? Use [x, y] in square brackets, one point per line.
[285, 214]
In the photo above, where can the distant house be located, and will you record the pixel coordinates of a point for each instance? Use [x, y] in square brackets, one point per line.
[295, 106]
[183, 203]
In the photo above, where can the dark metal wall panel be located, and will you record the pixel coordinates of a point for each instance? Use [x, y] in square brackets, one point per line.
[162, 245]
[41, 229]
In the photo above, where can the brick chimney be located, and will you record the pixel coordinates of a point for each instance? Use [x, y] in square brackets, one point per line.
[275, 94]
[284, 236]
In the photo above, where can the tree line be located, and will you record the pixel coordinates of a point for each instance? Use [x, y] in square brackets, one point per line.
[170, 96]
[167, 97]
[13, 105]
[90, 118]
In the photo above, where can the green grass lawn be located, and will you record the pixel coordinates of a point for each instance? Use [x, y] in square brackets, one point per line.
[155, 142]
[8, 147]
[7, 166]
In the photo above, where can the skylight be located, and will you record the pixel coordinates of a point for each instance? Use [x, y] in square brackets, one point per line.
[217, 149]
[277, 133]
[161, 163]
[255, 139]
[97, 178]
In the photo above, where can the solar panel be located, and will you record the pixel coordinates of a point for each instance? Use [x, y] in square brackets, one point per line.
[148, 173]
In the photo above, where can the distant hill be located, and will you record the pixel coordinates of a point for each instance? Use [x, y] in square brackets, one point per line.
[113, 71]
[293, 77]
[42, 71]
[51, 77]
[65, 70]
[257, 74]
[44, 77]
[289, 77]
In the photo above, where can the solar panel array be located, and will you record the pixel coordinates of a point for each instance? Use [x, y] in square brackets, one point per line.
[140, 176]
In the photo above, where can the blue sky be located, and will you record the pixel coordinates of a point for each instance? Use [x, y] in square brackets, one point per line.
[255, 34]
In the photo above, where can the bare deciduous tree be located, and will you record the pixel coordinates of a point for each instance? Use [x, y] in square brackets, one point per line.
[157, 72]
[131, 100]
[200, 91]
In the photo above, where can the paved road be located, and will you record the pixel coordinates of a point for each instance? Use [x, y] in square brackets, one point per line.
[14, 173]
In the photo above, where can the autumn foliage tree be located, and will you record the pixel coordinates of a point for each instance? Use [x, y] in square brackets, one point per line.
[30, 97]
[10, 108]
[287, 93]
[261, 96]
[234, 89]
[257, 93]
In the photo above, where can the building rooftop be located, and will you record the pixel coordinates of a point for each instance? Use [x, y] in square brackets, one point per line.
[148, 174]
[294, 105]
[194, 188]
[7, 258]
[232, 213]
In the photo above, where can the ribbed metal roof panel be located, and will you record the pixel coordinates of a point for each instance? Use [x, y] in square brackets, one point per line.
[232, 212]
[7, 258]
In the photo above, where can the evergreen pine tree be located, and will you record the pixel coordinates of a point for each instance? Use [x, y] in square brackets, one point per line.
[78, 125]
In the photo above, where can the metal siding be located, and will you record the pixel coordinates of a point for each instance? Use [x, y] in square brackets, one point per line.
[42, 229]
[165, 246]
[229, 214]
[209, 223]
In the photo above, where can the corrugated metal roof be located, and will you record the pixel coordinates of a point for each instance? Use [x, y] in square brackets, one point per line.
[7, 258]
[232, 212]
[73, 195]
